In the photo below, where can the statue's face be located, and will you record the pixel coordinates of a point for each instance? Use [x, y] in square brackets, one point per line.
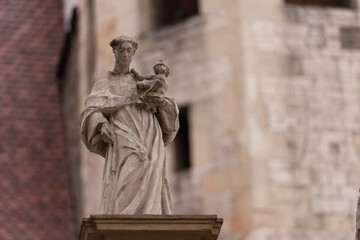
[124, 53]
[160, 69]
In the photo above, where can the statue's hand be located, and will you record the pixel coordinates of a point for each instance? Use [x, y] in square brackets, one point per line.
[153, 98]
[106, 133]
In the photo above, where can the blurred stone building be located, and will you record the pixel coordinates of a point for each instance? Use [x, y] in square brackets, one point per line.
[270, 112]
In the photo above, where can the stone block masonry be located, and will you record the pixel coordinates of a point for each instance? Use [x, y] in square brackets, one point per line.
[319, 101]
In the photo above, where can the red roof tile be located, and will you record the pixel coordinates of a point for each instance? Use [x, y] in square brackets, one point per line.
[34, 183]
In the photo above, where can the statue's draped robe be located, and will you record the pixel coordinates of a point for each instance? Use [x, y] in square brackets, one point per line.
[135, 176]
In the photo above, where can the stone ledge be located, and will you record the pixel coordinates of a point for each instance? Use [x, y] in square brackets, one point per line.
[157, 227]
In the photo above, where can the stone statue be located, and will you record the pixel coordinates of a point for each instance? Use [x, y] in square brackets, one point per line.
[129, 121]
[154, 85]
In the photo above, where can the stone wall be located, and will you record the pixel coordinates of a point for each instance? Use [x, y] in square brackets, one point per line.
[305, 78]
[69, 72]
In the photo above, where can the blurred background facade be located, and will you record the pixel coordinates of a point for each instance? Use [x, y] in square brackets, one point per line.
[268, 92]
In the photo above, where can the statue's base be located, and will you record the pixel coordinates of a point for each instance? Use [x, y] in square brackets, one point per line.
[150, 227]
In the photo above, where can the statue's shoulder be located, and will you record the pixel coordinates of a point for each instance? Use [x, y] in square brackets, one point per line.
[101, 84]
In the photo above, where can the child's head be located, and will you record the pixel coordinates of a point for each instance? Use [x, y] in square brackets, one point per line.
[161, 68]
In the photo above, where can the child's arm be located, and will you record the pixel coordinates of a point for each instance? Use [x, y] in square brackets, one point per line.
[139, 77]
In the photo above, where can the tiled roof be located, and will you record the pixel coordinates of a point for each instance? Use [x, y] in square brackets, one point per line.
[35, 195]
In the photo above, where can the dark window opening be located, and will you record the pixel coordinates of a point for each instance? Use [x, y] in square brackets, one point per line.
[91, 46]
[324, 3]
[181, 142]
[175, 11]
[350, 38]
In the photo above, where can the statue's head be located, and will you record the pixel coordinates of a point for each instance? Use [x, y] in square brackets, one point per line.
[161, 68]
[124, 48]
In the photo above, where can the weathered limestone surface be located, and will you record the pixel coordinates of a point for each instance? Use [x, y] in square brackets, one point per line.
[130, 130]
[150, 227]
[307, 123]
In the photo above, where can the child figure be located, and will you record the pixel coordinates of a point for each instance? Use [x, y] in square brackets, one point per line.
[153, 85]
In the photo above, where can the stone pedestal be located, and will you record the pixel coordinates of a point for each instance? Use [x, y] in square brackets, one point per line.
[150, 227]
